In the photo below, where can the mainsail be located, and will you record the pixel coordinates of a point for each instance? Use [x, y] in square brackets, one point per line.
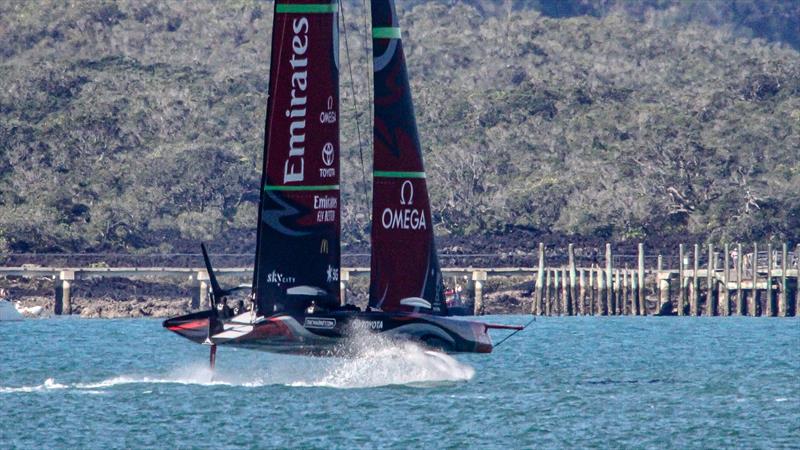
[299, 210]
[404, 260]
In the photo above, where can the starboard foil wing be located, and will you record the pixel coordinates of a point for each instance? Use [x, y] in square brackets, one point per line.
[404, 261]
[299, 210]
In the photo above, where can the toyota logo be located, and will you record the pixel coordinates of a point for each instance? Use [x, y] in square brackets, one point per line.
[327, 154]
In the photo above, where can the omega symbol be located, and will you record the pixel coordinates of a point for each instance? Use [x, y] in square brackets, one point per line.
[410, 193]
[330, 102]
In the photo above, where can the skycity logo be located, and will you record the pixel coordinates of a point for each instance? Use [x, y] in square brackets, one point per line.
[276, 277]
[407, 218]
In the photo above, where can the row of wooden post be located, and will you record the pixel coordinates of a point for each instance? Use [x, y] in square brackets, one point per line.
[607, 290]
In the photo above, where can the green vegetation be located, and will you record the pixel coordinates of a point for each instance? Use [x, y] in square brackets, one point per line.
[138, 125]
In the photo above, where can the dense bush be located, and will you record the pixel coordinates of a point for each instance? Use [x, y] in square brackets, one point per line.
[136, 125]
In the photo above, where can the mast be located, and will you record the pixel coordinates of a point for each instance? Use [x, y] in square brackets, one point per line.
[404, 260]
[299, 208]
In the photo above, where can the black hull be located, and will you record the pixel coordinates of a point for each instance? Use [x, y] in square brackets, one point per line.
[330, 334]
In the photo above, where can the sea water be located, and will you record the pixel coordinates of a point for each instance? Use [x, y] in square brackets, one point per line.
[561, 383]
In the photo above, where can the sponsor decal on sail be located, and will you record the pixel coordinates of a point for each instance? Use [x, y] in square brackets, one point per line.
[276, 277]
[328, 116]
[333, 273]
[326, 207]
[294, 165]
[406, 217]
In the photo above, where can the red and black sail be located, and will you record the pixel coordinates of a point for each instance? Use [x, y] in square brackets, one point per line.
[299, 210]
[404, 260]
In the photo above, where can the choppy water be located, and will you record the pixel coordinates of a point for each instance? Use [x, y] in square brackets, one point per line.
[564, 382]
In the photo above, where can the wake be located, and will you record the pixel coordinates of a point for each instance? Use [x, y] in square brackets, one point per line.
[372, 364]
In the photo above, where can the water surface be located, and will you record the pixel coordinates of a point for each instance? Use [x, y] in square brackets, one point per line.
[563, 382]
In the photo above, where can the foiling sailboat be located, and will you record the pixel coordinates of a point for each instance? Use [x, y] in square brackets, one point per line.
[295, 305]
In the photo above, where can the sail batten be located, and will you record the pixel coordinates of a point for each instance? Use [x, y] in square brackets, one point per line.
[404, 261]
[299, 209]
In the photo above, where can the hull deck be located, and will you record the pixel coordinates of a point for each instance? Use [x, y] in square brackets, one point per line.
[330, 333]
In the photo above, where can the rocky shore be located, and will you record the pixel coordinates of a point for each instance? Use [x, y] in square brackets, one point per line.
[503, 302]
[112, 298]
[108, 308]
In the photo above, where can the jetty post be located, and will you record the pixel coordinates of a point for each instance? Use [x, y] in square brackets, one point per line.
[695, 298]
[547, 293]
[752, 304]
[622, 276]
[592, 296]
[632, 296]
[538, 307]
[609, 277]
[797, 279]
[739, 274]
[769, 307]
[573, 294]
[202, 300]
[784, 301]
[601, 292]
[662, 285]
[710, 306]
[63, 303]
[681, 281]
[565, 297]
[725, 293]
[344, 277]
[479, 277]
[556, 285]
[582, 293]
[641, 290]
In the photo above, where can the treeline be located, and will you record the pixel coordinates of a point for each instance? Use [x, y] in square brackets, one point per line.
[138, 125]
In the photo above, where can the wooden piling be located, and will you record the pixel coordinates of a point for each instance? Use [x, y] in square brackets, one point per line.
[710, 304]
[797, 284]
[539, 304]
[479, 277]
[769, 310]
[635, 290]
[601, 292]
[784, 299]
[565, 297]
[739, 274]
[619, 304]
[753, 300]
[546, 304]
[58, 303]
[622, 303]
[202, 297]
[725, 293]
[695, 298]
[663, 286]
[681, 283]
[582, 293]
[592, 295]
[67, 277]
[610, 287]
[641, 291]
[344, 277]
[573, 293]
[556, 286]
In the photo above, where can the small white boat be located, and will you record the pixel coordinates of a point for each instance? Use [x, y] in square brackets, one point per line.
[8, 311]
